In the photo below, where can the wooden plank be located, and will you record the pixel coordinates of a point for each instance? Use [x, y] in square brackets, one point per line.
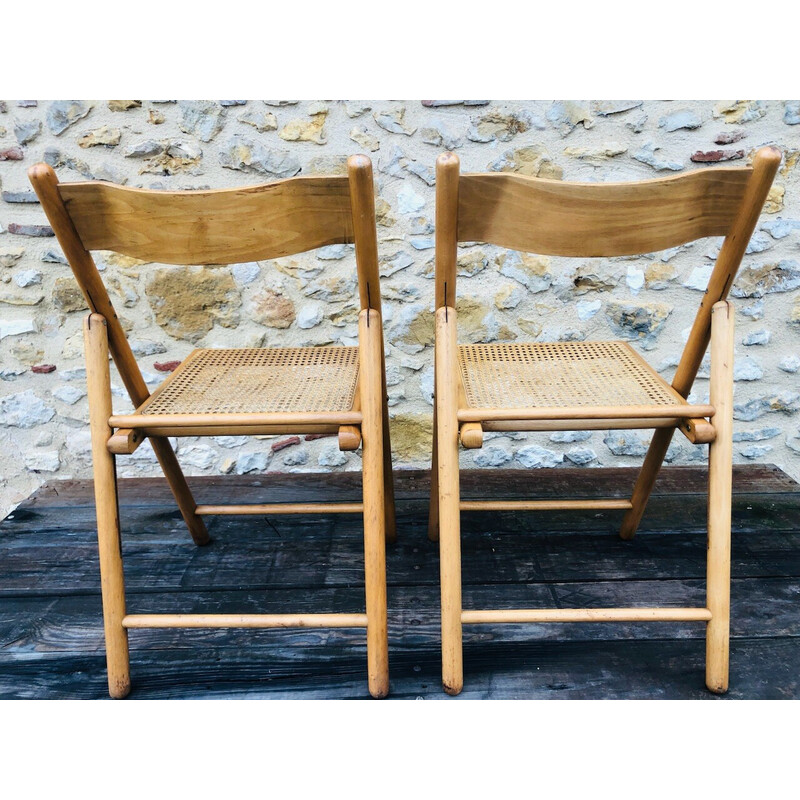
[538, 670]
[410, 484]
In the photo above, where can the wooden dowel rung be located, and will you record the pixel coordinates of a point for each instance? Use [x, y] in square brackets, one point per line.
[244, 621]
[281, 508]
[125, 441]
[543, 505]
[235, 420]
[475, 617]
[583, 412]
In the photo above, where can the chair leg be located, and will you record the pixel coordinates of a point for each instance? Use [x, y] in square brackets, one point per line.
[388, 480]
[433, 508]
[720, 479]
[449, 501]
[180, 489]
[646, 480]
[374, 504]
[112, 579]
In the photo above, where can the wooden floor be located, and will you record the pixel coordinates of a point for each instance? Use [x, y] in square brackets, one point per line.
[51, 638]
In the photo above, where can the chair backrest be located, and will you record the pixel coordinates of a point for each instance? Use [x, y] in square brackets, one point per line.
[223, 226]
[605, 219]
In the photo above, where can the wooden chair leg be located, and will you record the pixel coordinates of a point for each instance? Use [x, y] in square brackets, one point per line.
[374, 503]
[449, 501]
[180, 489]
[433, 508]
[112, 580]
[646, 480]
[720, 475]
[388, 480]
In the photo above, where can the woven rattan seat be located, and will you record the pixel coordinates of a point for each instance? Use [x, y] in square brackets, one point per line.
[560, 374]
[259, 380]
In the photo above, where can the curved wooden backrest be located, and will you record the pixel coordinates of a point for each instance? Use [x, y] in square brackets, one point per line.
[222, 226]
[598, 219]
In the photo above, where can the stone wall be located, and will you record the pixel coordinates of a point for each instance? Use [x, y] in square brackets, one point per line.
[310, 299]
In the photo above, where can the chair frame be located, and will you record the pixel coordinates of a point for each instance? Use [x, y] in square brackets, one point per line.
[594, 220]
[226, 226]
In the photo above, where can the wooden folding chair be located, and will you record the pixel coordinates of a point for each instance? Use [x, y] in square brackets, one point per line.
[588, 385]
[234, 392]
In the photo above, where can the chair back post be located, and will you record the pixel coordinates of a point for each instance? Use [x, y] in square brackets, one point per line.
[362, 203]
[765, 165]
[447, 178]
[45, 183]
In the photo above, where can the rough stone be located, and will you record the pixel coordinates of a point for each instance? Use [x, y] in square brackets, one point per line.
[361, 136]
[570, 437]
[680, 120]
[42, 461]
[536, 457]
[637, 321]
[791, 112]
[15, 298]
[659, 275]
[408, 201]
[16, 327]
[262, 121]
[581, 456]
[756, 281]
[356, 108]
[198, 455]
[786, 402]
[393, 120]
[302, 130]
[67, 295]
[789, 364]
[647, 155]
[331, 456]
[492, 457]
[774, 202]
[729, 137]
[532, 271]
[201, 118]
[245, 273]
[187, 301]
[508, 297]
[625, 443]
[445, 134]
[757, 435]
[24, 410]
[251, 462]
[28, 277]
[780, 228]
[596, 154]
[735, 112]
[605, 108]
[566, 116]
[501, 126]
[271, 309]
[27, 130]
[68, 394]
[12, 154]
[760, 337]
[247, 155]
[699, 277]
[530, 160]
[10, 255]
[101, 137]
[62, 114]
[747, 369]
[124, 105]
[755, 450]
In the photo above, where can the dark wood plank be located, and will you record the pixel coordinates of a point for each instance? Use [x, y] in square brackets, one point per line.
[410, 484]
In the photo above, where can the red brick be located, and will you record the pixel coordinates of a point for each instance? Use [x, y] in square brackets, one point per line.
[716, 155]
[43, 369]
[167, 366]
[284, 443]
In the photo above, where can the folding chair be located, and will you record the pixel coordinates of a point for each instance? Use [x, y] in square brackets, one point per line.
[588, 385]
[232, 392]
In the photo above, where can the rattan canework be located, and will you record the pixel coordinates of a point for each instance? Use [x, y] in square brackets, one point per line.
[559, 374]
[260, 380]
